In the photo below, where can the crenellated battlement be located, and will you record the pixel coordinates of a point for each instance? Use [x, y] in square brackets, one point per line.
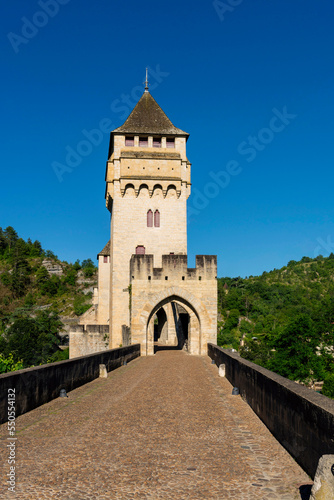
[174, 267]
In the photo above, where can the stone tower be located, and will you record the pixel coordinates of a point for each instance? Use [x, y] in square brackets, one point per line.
[152, 296]
[148, 183]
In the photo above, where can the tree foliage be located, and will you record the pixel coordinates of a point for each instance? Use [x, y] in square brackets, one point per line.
[29, 335]
[32, 340]
[286, 318]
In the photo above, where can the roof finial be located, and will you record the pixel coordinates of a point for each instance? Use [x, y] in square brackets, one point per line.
[146, 81]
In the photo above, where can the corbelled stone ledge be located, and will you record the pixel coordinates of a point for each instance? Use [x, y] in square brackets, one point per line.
[38, 385]
[300, 419]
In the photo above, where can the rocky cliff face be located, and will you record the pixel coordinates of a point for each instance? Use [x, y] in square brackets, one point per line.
[52, 267]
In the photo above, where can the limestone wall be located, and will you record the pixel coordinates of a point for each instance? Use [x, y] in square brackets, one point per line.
[36, 386]
[195, 289]
[140, 179]
[87, 339]
[129, 230]
[300, 419]
[103, 290]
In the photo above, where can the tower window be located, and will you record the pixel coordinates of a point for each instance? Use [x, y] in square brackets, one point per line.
[170, 143]
[129, 141]
[150, 218]
[157, 218]
[157, 142]
[143, 142]
[140, 250]
[105, 259]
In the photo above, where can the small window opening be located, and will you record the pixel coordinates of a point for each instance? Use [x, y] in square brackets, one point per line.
[199, 277]
[182, 278]
[105, 258]
[143, 142]
[157, 142]
[170, 142]
[150, 218]
[166, 278]
[149, 278]
[129, 141]
[157, 218]
[140, 250]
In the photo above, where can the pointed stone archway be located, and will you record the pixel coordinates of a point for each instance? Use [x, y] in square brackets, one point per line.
[142, 325]
[182, 332]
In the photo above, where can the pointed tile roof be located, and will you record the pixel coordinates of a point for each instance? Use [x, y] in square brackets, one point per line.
[148, 118]
[106, 250]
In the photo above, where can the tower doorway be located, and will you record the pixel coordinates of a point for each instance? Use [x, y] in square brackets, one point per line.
[173, 324]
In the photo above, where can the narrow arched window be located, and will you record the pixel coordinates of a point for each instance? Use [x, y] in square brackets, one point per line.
[150, 218]
[140, 250]
[157, 218]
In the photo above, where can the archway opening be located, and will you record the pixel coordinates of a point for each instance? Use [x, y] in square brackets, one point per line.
[160, 326]
[183, 325]
[171, 327]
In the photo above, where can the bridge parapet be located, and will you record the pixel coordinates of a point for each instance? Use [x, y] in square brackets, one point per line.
[300, 419]
[39, 385]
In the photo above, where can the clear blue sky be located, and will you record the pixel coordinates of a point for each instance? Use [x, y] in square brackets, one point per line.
[225, 74]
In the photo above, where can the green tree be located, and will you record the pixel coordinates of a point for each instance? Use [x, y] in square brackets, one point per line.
[32, 340]
[8, 364]
[232, 320]
[77, 265]
[71, 277]
[295, 353]
[20, 277]
[11, 236]
[60, 355]
[256, 350]
[88, 267]
[50, 255]
[328, 387]
[51, 286]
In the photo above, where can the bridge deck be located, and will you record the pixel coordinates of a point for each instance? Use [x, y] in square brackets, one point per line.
[162, 427]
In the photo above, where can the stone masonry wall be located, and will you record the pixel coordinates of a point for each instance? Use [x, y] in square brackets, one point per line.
[141, 179]
[38, 385]
[87, 339]
[195, 289]
[300, 419]
[103, 290]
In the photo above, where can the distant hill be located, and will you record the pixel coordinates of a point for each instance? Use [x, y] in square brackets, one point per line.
[282, 319]
[33, 279]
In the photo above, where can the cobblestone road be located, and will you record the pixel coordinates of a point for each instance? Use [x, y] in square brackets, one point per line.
[162, 427]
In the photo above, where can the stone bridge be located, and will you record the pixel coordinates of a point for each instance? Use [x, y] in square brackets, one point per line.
[161, 427]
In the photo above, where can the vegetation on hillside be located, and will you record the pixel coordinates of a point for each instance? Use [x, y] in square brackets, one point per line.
[32, 299]
[283, 320]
